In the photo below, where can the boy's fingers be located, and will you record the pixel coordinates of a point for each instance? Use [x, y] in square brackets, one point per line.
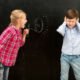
[65, 18]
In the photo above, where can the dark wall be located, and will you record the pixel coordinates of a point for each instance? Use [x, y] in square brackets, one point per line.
[39, 58]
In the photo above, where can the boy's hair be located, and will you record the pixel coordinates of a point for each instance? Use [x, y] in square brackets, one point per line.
[16, 14]
[72, 13]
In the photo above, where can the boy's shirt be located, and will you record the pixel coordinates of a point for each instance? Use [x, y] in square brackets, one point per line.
[10, 42]
[71, 40]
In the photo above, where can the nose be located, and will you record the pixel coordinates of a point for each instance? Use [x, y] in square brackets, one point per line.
[70, 23]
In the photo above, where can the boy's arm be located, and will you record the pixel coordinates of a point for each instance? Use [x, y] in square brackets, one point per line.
[62, 28]
[78, 25]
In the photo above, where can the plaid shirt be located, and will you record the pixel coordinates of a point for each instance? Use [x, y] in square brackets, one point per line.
[10, 42]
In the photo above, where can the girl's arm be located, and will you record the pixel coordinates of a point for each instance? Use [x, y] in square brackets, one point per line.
[25, 33]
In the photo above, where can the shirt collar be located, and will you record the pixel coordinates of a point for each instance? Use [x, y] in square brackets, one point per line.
[18, 30]
[76, 27]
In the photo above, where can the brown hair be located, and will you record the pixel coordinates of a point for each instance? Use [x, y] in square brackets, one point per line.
[72, 13]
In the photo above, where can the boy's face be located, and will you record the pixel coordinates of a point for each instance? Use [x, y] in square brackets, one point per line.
[71, 22]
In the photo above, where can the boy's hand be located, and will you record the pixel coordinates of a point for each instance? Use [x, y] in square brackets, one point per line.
[65, 19]
[78, 20]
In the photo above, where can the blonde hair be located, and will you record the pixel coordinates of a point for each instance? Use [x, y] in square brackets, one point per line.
[17, 14]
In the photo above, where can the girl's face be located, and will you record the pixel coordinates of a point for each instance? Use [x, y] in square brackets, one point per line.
[71, 22]
[23, 21]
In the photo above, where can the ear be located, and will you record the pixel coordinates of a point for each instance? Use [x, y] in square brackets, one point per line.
[18, 21]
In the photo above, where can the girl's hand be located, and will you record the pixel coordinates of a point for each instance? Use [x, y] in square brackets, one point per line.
[26, 31]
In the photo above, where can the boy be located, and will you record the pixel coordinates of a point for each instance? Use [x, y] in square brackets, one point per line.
[11, 40]
[70, 30]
